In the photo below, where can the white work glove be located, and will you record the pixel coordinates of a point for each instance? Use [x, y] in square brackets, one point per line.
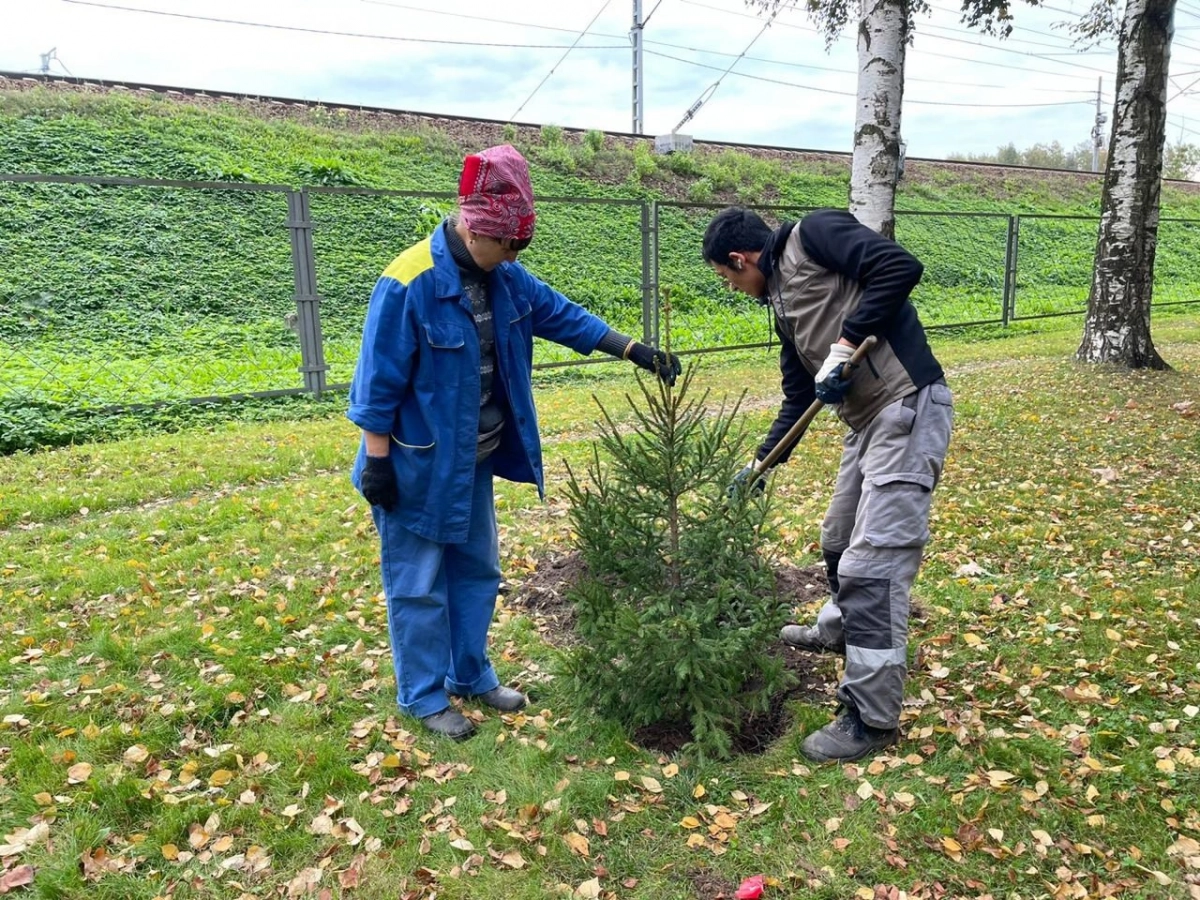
[838, 354]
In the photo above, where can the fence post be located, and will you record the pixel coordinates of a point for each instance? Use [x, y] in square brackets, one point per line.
[652, 322]
[647, 277]
[308, 302]
[1008, 303]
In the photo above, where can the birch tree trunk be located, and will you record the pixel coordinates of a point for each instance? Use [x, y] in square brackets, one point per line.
[1117, 327]
[882, 39]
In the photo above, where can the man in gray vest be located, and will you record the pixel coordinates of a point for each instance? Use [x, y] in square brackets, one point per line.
[831, 282]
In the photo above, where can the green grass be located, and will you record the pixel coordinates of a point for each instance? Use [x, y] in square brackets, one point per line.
[115, 295]
[196, 616]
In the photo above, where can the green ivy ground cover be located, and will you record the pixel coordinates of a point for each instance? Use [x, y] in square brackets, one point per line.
[112, 294]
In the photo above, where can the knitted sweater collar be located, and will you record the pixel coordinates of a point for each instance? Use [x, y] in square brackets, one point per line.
[460, 253]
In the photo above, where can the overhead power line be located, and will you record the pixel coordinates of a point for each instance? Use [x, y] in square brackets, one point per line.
[724, 53]
[1042, 56]
[671, 46]
[808, 87]
[907, 78]
[554, 67]
[353, 34]
[712, 89]
[924, 52]
[1061, 49]
[1019, 28]
[494, 21]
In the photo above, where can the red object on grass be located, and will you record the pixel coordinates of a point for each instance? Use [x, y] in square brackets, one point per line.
[750, 889]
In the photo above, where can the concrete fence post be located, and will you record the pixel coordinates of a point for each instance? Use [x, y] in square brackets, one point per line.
[308, 302]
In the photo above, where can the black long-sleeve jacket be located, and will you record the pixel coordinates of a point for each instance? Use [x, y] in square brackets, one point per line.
[829, 276]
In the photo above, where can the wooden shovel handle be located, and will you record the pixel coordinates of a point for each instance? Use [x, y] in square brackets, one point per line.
[796, 431]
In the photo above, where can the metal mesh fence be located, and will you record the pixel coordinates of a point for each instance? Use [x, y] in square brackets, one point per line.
[170, 293]
[1054, 265]
[119, 292]
[964, 255]
[591, 251]
[1055, 255]
[1177, 263]
[705, 314]
[356, 234]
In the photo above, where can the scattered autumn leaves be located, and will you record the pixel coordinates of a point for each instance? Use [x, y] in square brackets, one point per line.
[1051, 719]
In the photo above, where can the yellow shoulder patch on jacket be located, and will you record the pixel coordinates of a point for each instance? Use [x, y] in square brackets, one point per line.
[412, 262]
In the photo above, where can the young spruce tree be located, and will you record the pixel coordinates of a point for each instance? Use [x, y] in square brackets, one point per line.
[678, 605]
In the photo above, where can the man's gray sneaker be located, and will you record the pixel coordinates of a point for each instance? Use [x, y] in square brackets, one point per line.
[808, 637]
[847, 738]
[449, 723]
[502, 698]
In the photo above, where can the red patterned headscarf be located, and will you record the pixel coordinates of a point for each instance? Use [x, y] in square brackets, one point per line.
[495, 196]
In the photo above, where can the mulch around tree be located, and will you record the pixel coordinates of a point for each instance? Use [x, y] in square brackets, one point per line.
[542, 595]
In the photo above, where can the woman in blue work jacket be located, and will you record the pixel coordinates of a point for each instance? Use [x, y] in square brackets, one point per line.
[443, 394]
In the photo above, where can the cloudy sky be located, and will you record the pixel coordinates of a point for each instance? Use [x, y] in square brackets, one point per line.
[568, 62]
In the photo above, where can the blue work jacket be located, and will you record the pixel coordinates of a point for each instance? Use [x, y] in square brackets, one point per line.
[417, 379]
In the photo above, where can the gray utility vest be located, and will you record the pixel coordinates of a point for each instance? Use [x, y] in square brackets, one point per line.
[811, 302]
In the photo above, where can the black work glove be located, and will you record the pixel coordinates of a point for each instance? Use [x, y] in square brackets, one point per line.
[742, 482]
[665, 365]
[378, 482]
[832, 390]
[833, 378]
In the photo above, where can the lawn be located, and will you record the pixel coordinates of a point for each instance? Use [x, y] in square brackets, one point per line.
[197, 698]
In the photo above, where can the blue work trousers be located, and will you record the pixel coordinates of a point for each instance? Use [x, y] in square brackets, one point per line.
[440, 600]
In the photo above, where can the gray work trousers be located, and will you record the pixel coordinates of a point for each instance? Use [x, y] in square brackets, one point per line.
[872, 538]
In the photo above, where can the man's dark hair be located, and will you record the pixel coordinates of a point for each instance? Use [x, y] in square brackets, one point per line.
[734, 230]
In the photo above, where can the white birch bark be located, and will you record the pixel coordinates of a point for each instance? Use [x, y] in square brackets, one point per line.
[882, 40]
[1117, 327]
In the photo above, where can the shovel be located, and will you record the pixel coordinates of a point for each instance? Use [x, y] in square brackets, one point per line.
[796, 431]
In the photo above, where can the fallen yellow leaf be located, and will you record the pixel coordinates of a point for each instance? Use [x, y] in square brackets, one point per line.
[79, 773]
[578, 843]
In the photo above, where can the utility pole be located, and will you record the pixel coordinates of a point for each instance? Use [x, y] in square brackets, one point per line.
[46, 57]
[1098, 128]
[638, 71]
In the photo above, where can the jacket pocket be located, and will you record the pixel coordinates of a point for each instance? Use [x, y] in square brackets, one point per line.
[896, 513]
[415, 450]
[400, 443]
[446, 363]
[412, 429]
[445, 336]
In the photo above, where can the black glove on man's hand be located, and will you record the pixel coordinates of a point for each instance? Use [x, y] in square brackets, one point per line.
[378, 482]
[665, 365]
[833, 378]
[742, 482]
[833, 388]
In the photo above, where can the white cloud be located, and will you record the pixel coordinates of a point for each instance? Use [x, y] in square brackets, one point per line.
[788, 90]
